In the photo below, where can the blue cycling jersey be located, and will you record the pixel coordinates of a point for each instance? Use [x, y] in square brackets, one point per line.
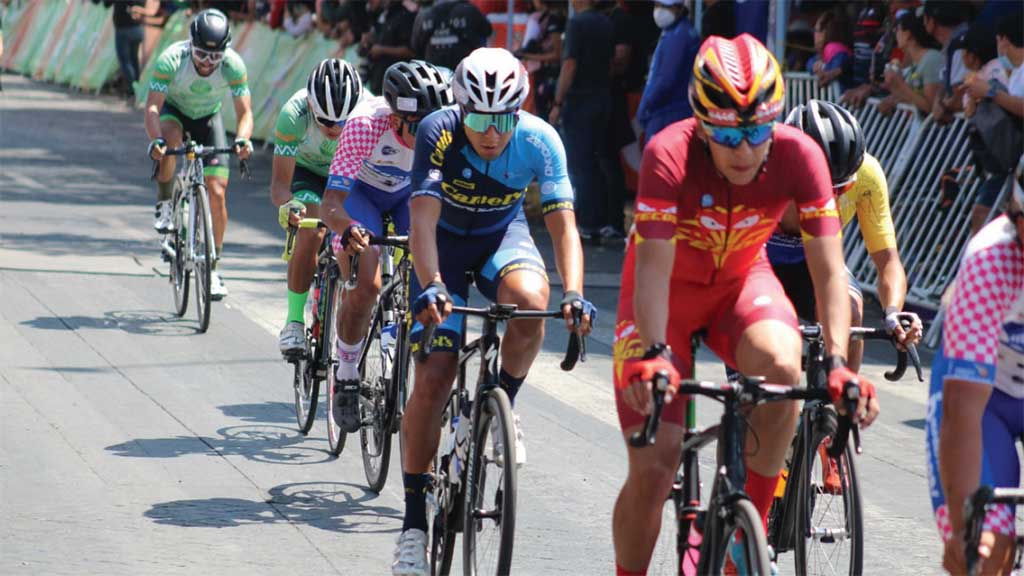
[482, 197]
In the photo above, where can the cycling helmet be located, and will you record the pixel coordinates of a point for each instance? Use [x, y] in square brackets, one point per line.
[490, 80]
[416, 87]
[736, 82]
[836, 131]
[333, 90]
[210, 31]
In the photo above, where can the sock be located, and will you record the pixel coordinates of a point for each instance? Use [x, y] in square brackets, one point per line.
[164, 190]
[620, 571]
[415, 501]
[510, 384]
[348, 358]
[761, 490]
[297, 306]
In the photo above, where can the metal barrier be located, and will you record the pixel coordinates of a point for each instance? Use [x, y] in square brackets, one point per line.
[802, 86]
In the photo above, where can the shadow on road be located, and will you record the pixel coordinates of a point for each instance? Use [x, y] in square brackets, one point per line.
[264, 413]
[331, 506]
[141, 322]
[271, 444]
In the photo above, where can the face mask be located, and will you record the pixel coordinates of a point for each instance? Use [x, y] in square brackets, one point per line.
[664, 17]
[1004, 61]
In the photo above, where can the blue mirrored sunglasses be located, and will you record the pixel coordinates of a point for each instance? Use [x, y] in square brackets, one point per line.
[478, 122]
[732, 137]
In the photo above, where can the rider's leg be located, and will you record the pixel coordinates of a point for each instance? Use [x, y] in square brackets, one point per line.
[1002, 425]
[523, 338]
[855, 349]
[354, 313]
[170, 129]
[302, 266]
[217, 187]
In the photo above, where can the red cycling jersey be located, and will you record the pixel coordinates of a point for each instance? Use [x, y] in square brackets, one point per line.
[721, 280]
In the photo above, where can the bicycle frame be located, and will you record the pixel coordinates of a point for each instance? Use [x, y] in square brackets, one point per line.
[192, 178]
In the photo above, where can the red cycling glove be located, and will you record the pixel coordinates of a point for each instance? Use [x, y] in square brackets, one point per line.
[839, 375]
[643, 369]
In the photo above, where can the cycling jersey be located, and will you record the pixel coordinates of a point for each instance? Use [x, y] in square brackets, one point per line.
[297, 136]
[983, 342]
[480, 197]
[194, 95]
[868, 199]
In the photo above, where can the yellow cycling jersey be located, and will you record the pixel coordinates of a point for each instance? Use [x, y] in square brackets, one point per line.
[869, 200]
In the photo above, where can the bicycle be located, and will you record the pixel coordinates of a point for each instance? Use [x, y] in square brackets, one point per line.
[465, 426]
[705, 536]
[189, 246]
[383, 361]
[974, 516]
[814, 517]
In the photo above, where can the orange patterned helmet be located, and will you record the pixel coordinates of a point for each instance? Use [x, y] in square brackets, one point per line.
[736, 82]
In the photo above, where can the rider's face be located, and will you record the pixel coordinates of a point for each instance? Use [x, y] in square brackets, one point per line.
[741, 164]
[332, 132]
[204, 68]
[490, 144]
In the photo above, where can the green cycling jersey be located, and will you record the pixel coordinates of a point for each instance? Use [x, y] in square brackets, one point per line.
[197, 96]
[296, 135]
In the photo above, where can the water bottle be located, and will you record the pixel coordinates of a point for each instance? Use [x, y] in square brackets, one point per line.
[454, 462]
[462, 432]
[388, 335]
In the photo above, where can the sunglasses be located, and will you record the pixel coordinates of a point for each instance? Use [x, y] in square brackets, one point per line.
[411, 123]
[732, 137]
[325, 122]
[503, 123]
[845, 185]
[207, 56]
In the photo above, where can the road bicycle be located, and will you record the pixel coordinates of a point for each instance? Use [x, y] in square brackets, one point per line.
[474, 489]
[729, 525]
[817, 512]
[974, 520]
[189, 247]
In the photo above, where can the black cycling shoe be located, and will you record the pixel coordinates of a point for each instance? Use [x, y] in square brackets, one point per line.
[346, 406]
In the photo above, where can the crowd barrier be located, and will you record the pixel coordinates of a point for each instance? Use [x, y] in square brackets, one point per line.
[802, 86]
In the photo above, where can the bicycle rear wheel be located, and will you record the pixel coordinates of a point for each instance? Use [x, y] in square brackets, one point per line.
[325, 359]
[736, 538]
[829, 528]
[180, 272]
[307, 389]
[447, 497]
[202, 254]
[489, 520]
[375, 435]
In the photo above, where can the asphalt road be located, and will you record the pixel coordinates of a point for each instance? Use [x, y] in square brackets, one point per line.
[130, 444]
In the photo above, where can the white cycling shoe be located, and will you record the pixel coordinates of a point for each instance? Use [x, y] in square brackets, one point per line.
[163, 219]
[293, 338]
[411, 554]
[218, 291]
[498, 446]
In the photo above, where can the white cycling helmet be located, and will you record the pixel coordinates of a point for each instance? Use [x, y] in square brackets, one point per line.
[491, 80]
[333, 90]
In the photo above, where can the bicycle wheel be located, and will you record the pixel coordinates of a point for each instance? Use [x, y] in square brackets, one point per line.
[829, 528]
[325, 353]
[202, 248]
[180, 272]
[447, 497]
[736, 538]
[489, 519]
[375, 435]
[307, 389]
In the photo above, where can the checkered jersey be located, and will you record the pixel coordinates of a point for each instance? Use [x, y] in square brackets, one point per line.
[984, 327]
[368, 150]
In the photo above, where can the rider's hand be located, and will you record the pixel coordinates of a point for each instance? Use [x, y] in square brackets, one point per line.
[289, 213]
[638, 373]
[954, 558]
[424, 308]
[867, 404]
[157, 148]
[569, 300]
[355, 239]
[243, 147]
[894, 325]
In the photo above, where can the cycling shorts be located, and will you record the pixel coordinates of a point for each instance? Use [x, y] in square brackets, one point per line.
[723, 310]
[208, 131]
[308, 186]
[796, 281]
[367, 205]
[489, 259]
[1001, 425]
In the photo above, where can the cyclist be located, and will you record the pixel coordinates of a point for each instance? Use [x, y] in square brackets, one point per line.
[370, 178]
[712, 190]
[305, 140]
[472, 166]
[185, 95]
[976, 401]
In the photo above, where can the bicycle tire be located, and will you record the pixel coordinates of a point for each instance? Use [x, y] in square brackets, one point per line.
[307, 389]
[496, 406]
[742, 518]
[180, 272]
[325, 357]
[448, 497]
[202, 254]
[375, 438]
[812, 498]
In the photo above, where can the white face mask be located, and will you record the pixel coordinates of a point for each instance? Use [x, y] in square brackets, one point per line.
[664, 17]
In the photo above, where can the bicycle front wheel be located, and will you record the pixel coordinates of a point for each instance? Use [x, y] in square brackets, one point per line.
[490, 512]
[202, 250]
[829, 525]
[735, 538]
[375, 435]
[180, 272]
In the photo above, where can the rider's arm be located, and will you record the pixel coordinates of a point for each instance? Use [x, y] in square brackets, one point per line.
[876, 226]
[354, 146]
[425, 212]
[654, 261]
[831, 284]
[281, 179]
[159, 84]
[892, 279]
[243, 111]
[238, 83]
[154, 101]
[568, 250]
[556, 201]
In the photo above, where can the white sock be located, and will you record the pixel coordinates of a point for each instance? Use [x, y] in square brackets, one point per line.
[348, 360]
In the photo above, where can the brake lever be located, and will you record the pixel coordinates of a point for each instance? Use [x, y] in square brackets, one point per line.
[649, 434]
[243, 167]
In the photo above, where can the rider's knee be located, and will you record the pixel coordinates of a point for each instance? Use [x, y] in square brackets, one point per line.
[856, 312]
[434, 377]
[653, 480]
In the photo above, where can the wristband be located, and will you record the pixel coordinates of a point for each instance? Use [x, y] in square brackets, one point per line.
[656, 349]
[834, 362]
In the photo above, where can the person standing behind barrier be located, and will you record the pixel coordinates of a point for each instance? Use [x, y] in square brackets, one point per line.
[448, 32]
[920, 83]
[389, 41]
[541, 52]
[128, 37]
[944, 21]
[834, 60]
[665, 99]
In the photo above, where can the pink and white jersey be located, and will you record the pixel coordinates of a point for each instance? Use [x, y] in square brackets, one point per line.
[984, 327]
[370, 152]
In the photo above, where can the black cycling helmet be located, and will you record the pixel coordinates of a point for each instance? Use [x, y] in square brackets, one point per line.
[210, 30]
[416, 87]
[333, 90]
[836, 131]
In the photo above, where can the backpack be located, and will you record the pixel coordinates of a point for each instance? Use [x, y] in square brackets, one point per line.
[996, 138]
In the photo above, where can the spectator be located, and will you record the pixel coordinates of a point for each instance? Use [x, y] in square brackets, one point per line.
[874, 46]
[582, 103]
[665, 97]
[944, 21]
[128, 37]
[298, 17]
[719, 19]
[542, 51]
[447, 32]
[921, 81]
[276, 17]
[834, 59]
[389, 40]
[752, 18]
